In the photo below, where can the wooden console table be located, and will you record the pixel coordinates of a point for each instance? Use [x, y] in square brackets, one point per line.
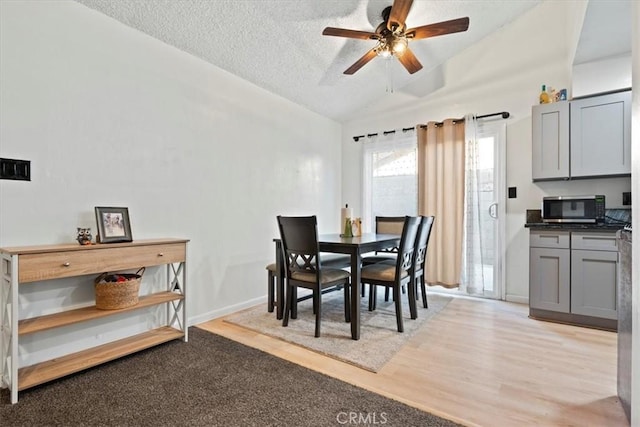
[22, 265]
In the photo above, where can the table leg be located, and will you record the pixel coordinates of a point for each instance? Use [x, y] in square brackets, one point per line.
[355, 294]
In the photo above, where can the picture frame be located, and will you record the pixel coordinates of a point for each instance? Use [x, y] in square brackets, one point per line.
[113, 224]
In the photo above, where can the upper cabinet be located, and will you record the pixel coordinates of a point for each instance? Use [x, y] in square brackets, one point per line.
[550, 141]
[583, 138]
[601, 135]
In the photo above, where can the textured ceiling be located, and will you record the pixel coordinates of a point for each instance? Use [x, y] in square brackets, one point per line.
[278, 44]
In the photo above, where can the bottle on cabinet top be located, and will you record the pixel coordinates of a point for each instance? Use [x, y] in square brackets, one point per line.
[544, 96]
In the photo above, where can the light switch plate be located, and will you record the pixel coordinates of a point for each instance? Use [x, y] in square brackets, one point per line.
[17, 170]
[626, 198]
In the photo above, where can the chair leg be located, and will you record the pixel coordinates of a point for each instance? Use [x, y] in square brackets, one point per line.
[271, 287]
[398, 309]
[280, 297]
[318, 297]
[315, 303]
[386, 293]
[424, 293]
[294, 302]
[413, 309]
[287, 307]
[347, 303]
[372, 297]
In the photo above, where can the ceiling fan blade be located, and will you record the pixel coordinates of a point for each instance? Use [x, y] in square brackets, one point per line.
[399, 12]
[353, 34]
[410, 62]
[438, 29]
[361, 62]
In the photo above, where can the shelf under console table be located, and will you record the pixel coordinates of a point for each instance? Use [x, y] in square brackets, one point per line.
[26, 264]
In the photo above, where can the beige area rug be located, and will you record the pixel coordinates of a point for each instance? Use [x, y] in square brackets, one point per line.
[379, 339]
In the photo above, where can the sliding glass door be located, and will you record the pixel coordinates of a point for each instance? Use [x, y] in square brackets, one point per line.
[390, 189]
[483, 250]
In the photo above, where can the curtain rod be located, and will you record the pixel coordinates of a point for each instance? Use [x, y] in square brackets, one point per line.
[504, 114]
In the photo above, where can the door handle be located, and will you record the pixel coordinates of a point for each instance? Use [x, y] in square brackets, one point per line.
[493, 210]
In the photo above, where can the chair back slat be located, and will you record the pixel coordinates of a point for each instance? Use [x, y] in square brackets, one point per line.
[389, 225]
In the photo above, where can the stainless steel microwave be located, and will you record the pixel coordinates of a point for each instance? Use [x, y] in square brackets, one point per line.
[576, 209]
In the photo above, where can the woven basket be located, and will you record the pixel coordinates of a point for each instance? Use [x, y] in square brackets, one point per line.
[115, 295]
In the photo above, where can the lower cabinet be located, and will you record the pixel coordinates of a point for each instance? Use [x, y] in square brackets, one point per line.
[573, 277]
[593, 283]
[549, 283]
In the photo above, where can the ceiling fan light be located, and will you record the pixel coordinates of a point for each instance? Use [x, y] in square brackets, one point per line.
[385, 53]
[399, 46]
[383, 49]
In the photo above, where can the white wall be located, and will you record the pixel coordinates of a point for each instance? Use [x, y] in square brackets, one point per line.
[503, 72]
[587, 77]
[111, 117]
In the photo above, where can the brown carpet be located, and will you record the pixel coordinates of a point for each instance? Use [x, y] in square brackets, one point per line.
[209, 381]
[377, 327]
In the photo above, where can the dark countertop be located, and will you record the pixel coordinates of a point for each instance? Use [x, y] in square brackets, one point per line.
[607, 226]
[615, 219]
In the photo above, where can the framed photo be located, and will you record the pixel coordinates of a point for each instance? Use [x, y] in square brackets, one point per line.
[113, 224]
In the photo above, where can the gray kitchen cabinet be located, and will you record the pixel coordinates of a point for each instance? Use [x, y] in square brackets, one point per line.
[550, 141]
[601, 135]
[573, 277]
[582, 138]
[549, 272]
[594, 274]
[549, 284]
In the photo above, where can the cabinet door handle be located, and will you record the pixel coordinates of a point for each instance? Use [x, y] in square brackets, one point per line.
[66, 264]
[160, 254]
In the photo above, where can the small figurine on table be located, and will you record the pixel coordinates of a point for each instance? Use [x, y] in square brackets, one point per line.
[84, 236]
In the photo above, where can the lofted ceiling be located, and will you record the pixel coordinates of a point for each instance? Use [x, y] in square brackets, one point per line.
[278, 44]
[606, 31]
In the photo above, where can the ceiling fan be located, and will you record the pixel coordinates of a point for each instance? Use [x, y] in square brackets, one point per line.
[393, 37]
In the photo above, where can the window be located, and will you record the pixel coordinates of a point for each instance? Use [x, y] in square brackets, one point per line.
[390, 182]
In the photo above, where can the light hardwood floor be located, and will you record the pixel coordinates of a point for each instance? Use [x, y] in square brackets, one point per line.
[483, 363]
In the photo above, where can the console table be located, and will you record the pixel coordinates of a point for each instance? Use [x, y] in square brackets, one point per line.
[23, 265]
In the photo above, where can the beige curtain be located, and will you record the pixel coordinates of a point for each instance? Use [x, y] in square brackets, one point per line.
[441, 194]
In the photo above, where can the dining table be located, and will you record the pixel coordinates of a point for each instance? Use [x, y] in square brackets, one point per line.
[339, 244]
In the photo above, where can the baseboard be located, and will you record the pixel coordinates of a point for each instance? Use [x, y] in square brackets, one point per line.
[574, 319]
[205, 317]
[517, 298]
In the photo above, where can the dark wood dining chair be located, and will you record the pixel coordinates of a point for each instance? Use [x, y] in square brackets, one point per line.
[299, 237]
[420, 257]
[327, 260]
[385, 225]
[394, 275]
